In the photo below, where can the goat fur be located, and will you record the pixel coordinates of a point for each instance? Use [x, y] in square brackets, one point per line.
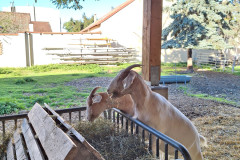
[99, 102]
[157, 112]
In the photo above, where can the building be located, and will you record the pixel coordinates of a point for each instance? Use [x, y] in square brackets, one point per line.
[124, 24]
[16, 22]
[40, 16]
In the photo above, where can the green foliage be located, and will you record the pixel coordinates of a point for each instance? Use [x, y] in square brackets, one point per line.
[29, 79]
[5, 71]
[21, 88]
[20, 81]
[78, 25]
[8, 23]
[24, 80]
[8, 106]
[202, 24]
[69, 4]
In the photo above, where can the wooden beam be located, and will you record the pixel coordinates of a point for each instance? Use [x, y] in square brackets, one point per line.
[56, 143]
[151, 41]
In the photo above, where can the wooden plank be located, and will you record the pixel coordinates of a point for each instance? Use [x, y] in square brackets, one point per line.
[80, 48]
[56, 143]
[151, 46]
[58, 117]
[34, 150]
[89, 59]
[82, 44]
[95, 54]
[10, 151]
[91, 62]
[20, 151]
[78, 137]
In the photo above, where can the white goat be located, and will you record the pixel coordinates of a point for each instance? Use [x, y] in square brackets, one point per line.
[155, 111]
[98, 102]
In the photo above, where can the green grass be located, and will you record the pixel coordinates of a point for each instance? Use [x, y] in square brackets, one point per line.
[227, 69]
[205, 96]
[21, 88]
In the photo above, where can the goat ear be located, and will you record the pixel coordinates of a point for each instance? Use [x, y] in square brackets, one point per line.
[127, 82]
[97, 98]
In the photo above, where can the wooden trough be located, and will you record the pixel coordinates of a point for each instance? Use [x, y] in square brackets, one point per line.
[45, 135]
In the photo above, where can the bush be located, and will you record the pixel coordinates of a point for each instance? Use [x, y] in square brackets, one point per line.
[29, 79]
[5, 71]
[8, 107]
[20, 81]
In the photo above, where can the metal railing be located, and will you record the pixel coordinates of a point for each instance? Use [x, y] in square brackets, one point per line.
[16, 117]
[123, 120]
[118, 117]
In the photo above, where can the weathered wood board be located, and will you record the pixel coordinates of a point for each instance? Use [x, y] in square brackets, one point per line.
[32, 145]
[19, 148]
[56, 143]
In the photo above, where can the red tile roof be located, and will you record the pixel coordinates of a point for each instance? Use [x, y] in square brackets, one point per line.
[108, 15]
[18, 22]
[41, 26]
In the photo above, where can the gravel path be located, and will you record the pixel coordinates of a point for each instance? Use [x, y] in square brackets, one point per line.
[211, 83]
[217, 84]
[218, 122]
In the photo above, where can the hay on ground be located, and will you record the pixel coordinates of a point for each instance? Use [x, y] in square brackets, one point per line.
[103, 136]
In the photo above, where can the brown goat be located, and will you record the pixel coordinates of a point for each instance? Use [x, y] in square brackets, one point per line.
[98, 102]
[157, 112]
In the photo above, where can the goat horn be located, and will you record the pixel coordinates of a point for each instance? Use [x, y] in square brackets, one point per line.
[94, 91]
[91, 95]
[127, 70]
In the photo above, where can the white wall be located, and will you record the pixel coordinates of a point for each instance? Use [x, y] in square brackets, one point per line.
[14, 54]
[42, 14]
[126, 26]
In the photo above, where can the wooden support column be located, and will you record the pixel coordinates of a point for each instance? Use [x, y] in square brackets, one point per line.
[151, 47]
[151, 44]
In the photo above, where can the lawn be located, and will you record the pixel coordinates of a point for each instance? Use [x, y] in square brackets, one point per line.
[21, 88]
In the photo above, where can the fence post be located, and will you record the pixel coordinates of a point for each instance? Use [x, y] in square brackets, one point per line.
[27, 49]
[31, 49]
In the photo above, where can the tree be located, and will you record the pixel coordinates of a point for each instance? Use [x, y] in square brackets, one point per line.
[201, 24]
[8, 25]
[69, 4]
[78, 25]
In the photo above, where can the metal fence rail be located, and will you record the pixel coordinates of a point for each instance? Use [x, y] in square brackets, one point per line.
[123, 120]
[117, 116]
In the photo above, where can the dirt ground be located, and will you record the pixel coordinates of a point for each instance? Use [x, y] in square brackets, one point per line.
[218, 122]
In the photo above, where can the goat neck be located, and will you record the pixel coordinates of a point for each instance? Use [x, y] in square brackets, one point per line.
[138, 90]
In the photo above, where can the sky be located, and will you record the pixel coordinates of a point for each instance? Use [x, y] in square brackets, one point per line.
[90, 7]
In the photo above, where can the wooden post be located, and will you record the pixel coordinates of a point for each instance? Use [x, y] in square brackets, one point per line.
[151, 42]
[27, 49]
[151, 45]
[31, 49]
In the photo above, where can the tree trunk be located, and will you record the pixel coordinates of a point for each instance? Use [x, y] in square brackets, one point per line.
[189, 60]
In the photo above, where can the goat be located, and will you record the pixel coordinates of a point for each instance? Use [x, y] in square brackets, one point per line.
[98, 102]
[154, 110]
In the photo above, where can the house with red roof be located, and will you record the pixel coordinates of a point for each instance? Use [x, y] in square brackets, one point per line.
[124, 24]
